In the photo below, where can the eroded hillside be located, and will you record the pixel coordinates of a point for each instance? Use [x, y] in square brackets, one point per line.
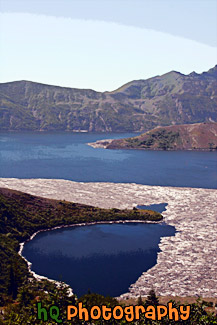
[141, 105]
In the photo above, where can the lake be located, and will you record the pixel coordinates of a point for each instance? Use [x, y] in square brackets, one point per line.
[160, 207]
[102, 258]
[67, 156]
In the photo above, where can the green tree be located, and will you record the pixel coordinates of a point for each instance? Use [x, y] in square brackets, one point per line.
[13, 283]
[139, 301]
[152, 299]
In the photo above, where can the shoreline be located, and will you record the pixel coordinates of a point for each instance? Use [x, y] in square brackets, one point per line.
[187, 262]
[102, 144]
[39, 277]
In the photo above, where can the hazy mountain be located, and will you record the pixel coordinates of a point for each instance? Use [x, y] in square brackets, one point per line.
[172, 98]
[199, 136]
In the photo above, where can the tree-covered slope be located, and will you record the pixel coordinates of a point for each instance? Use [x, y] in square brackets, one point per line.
[22, 214]
[141, 105]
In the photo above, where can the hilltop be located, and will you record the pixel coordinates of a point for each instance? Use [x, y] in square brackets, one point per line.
[141, 105]
[199, 136]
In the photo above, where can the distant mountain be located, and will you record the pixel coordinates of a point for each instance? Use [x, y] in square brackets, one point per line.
[141, 105]
[200, 136]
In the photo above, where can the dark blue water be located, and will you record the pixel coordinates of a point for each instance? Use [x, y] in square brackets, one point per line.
[104, 258]
[66, 156]
[154, 207]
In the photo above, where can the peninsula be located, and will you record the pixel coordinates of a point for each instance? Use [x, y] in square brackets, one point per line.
[199, 136]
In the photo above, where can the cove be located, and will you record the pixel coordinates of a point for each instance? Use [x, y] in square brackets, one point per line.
[102, 258]
[160, 207]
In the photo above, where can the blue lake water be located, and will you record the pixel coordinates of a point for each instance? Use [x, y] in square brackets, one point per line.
[66, 156]
[104, 258]
[155, 207]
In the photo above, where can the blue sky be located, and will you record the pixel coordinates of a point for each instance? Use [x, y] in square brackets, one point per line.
[103, 44]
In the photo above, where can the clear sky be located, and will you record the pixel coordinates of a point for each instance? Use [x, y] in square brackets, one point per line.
[102, 44]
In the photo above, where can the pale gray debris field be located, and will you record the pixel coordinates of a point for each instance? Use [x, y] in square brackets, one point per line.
[187, 263]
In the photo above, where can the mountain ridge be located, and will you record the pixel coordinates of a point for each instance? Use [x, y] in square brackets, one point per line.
[138, 106]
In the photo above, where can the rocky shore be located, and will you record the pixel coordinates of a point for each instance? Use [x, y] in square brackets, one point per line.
[100, 143]
[187, 263]
[58, 283]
